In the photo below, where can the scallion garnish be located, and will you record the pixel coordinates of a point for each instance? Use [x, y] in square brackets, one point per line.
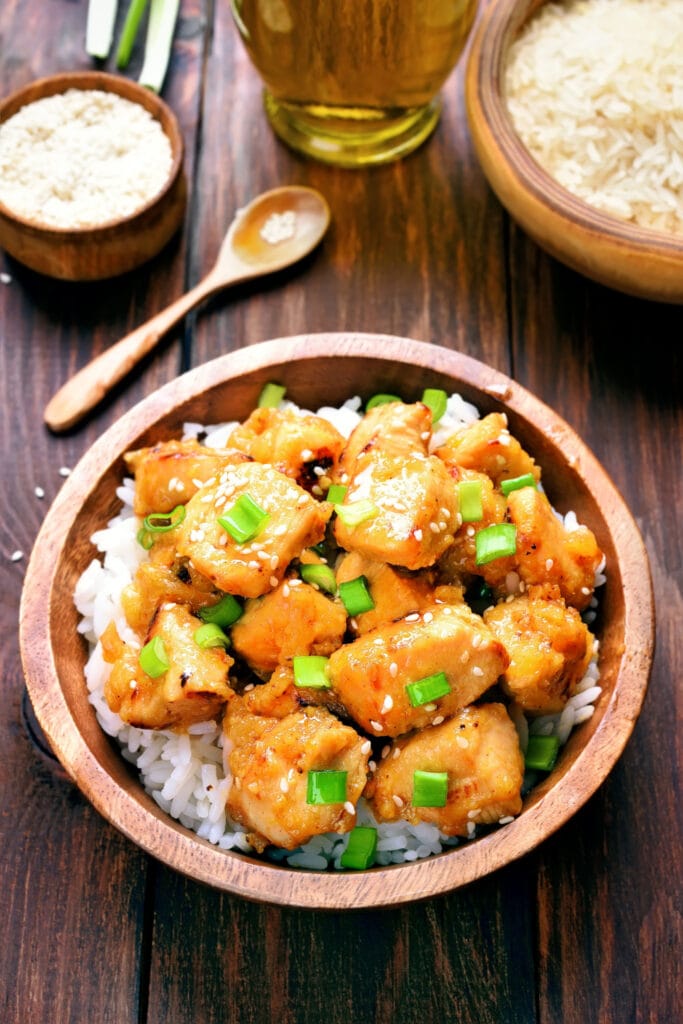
[162, 522]
[424, 691]
[355, 596]
[497, 541]
[210, 635]
[380, 399]
[541, 752]
[310, 671]
[336, 493]
[144, 539]
[129, 31]
[430, 789]
[356, 512]
[516, 483]
[326, 787]
[320, 576]
[158, 43]
[244, 520]
[153, 658]
[99, 27]
[469, 499]
[271, 396]
[436, 400]
[224, 613]
[360, 849]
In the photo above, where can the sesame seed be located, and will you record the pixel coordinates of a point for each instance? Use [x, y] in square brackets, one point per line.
[280, 530]
[413, 617]
[396, 753]
[471, 828]
[366, 747]
[585, 590]
[317, 490]
[393, 670]
[263, 555]
[344, 479]
[387, 704]
[16, 556]
[39, 492]
[303, 498]
[132, 684]
[353, 623]
[465, 657]
[253, 564]
[462, 742]
[417, 534]
[549, 563]
[476, 640]
[319, 471]
[274, 561]
[397, 800]
[64, 471]
[427, 617]
[253, 787]
[376, 726]
[285, 590]
[385, 751]
[274, 581]
[430, 707]
[349, 808]
[223, 540]
[425, 435]
[476, 671]
[505, 439]
[284, 785]
[372, 765]
[5, 278]
[475, 813]
[470, 531]
[438, 720]
[295, 583]
[506, 819]
[445, 512]
[248, 687]
[434, 527]
[306, 454]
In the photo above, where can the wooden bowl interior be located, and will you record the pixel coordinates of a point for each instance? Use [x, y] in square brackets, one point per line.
[637, 260]
[54, 653]
[117, 245]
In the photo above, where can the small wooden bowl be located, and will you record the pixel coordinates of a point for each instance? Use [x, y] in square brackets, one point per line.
[632, 259]
[317, 370]
[115, 246]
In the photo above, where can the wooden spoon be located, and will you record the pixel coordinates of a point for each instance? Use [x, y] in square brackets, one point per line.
[275, 230]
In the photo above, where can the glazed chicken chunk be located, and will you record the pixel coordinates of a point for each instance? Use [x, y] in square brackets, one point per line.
[155, 584]
[549, 647]
[370, 675]
[487, 446]
[394, 429]
[395, 593]
[194, 688]
[270, 766]
[479, 751]
[295, 521]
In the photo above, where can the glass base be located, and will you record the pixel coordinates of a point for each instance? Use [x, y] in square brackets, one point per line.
[351, 137]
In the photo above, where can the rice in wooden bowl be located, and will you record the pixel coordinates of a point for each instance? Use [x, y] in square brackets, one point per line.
[323, 370]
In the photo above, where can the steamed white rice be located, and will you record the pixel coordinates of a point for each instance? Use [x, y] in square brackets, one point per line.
[184, 772]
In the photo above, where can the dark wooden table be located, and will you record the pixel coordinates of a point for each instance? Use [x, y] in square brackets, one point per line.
[587, 928]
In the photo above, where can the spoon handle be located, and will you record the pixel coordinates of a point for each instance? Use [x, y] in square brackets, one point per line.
[82, 392]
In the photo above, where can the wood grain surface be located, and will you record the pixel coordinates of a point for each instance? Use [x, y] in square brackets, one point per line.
[587, 927]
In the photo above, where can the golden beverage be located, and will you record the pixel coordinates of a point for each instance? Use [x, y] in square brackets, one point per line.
[354, 82]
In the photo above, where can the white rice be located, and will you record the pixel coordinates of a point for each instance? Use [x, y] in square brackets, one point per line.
[184, 772]
[595, 92]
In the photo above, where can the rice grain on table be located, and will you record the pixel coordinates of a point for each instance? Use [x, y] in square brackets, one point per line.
[595, 92]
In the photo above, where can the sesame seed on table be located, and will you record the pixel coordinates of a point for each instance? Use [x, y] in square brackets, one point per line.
[584, 928]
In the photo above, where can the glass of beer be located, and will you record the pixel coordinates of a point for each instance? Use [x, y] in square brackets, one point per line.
[353, 82]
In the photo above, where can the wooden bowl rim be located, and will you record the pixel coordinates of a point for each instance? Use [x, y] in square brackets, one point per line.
[181, 849]
[53, 85]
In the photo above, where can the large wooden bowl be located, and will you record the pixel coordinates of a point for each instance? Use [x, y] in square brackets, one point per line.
[635, 260]
[115, 246]
[317, 370]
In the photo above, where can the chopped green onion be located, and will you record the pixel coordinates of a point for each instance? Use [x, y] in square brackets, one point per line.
[99, 28]
[360, 849]
[424, 691]
[515, 483]
[153, 658]
[469, 498]
[380, 400]
[497, 541]
[541, 752]
[336, 493]
[158, 43]
[271, 396]
[437, 401]
[320, 576]
[210, 635]
[356, 512]
[224, 613]
[310, 671]
[326, 787]
[161, 522]
[129, 31]
[430, 789]
[145, 538]
[244, 520]
[355, 596]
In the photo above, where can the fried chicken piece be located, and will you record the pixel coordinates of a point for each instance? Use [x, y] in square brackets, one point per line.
[396, 593]
[487, 446]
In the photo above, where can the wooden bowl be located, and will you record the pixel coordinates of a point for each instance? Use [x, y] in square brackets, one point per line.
[317, 370]
[632, 259]
[115, 246]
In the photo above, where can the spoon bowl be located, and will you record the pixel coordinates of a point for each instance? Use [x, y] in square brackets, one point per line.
[275, 230]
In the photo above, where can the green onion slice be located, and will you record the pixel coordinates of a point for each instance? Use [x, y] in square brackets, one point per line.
[320, 576]
[153, 658]
[356, 512]
[310, 671]
[244, 520]
[226, 612]
[326, 787]
[516, 483]
[360, 849]
[541, 752]
[210, 635]
[144, 538]
[356, 596]
[162, 522]
[497, 541]
[469, 498]
[271, 396]
[424, 691]
[336, 493]
[437, 401]
[380, 399]
[129, 31]
[430, 789]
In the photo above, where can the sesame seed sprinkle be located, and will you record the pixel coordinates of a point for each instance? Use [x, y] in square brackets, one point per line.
[375, 725]
[438, 720]
[427, 617]
[349, 808]
[274, 581]
[418, 534]
[16, 556]
[413, 617]
[284, 785]
[396, 753]
[397, 800]
[39, 492]
[366, 747]
[387, 704]
[64, 471]
[462, 742]
[476, 671]
[393, 670]
[385, 751]
[434, 527]
[549, 564]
